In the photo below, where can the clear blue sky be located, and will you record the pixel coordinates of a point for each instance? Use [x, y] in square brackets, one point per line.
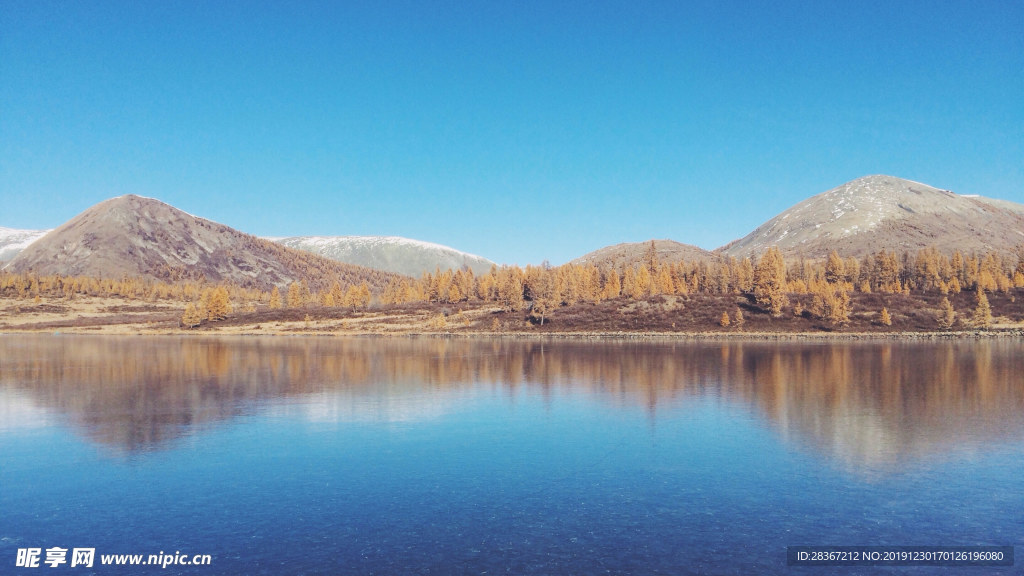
[520, 131]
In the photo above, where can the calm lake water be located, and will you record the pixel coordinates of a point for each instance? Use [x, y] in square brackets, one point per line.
[425, 456]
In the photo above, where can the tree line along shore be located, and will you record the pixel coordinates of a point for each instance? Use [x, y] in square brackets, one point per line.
[884, 291]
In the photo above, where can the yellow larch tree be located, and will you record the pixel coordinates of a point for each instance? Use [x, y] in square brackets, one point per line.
[193, 316]
[983, 312]
[770, 281]
[835, 268]
[612, 285]
[217, 303]
[946, 316]
[884, 319]
[337, 295]
[296, 299]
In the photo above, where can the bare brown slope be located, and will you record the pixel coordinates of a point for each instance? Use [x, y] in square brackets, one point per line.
[141, 237]
[622, 256]
[884, 212]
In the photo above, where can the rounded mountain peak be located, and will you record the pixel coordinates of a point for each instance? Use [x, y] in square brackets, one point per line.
[877, 212]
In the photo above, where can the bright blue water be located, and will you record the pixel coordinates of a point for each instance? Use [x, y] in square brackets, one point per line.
[416, 457]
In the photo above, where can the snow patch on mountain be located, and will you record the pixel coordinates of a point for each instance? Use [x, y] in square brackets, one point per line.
[13, 241]
[371, 241]
[389, 253]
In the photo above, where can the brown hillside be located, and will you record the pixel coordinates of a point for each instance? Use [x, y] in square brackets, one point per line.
[883, 212]
[627, 255]
[142, 237]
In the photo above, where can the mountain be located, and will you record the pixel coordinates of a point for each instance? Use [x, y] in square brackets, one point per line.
[14, 241]
[622, 256]
[885, 212]
[388, 253]
[142, 237]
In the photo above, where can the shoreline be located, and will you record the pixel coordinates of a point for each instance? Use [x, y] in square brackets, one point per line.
[654, 320]
[993, 334]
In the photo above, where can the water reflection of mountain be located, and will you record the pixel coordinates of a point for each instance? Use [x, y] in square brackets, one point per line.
[873, 405]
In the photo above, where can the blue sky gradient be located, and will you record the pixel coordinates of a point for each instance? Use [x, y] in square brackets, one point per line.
[520, 131]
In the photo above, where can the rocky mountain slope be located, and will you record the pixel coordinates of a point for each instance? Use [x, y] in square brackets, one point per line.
[14, 241]
[135, 236]
[388, 253]
[885, 212]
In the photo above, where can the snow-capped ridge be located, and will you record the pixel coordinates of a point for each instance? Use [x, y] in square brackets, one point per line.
[388, 253]
[372, 241]
[13, 241]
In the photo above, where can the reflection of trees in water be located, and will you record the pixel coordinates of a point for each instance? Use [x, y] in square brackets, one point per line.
[876, 406]
[870, 404]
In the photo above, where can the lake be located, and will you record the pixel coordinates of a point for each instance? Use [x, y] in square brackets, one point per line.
[296, 455]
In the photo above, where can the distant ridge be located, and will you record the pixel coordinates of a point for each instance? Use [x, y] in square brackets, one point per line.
[627, 255]
[388, 253]
[12, 241]
[884, 212]
[135, 236]
[142, 237]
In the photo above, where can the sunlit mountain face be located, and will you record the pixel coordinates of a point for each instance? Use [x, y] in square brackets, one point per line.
[880, 212]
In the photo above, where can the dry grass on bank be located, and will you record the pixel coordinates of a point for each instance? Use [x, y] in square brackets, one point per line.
[666, 315]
